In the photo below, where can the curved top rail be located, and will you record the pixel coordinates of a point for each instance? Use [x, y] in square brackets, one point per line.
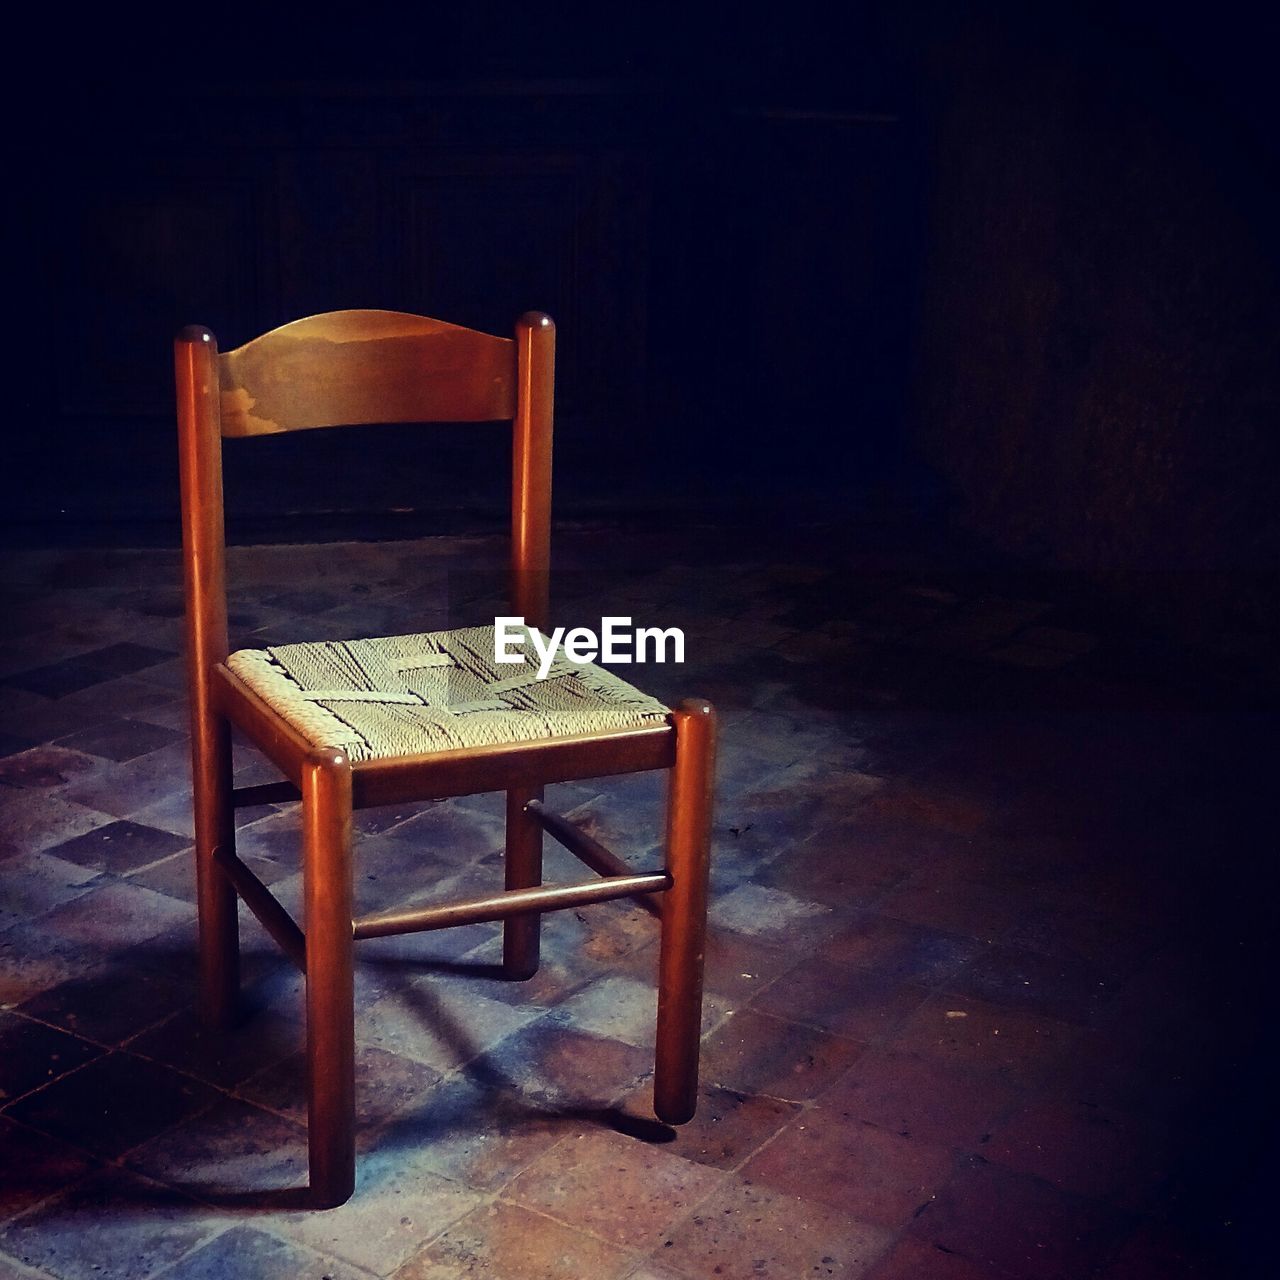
[342, 368]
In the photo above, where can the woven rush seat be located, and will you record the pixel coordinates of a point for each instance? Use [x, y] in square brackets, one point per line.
[435, 691]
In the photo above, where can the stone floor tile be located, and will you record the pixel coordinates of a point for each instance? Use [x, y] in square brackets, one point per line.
[622, 1008]
[930, 825]
[171, 675]
[472, 1131]
[980, 911]
[115, 916]
[912, 1259]
[123, 696]
[922, 1098]
[1084, 1149]
[126, 790]
[896, 948]
[615, 1008]
[385, 1085]
[226, 1154]
[755, 1052]
[218, 1057]
[623, 1190]
[32, 960]
[506, 1240]
[32, 1054]
[43, 767]
[119, 847]
[126, 658]
[746, 1231]
[1022, 1047]
[1162, 1251]
[442, 1028]
[112, 1224]
[869, 1173]
[12, 1269]
[13, 743]
[647, 1269]
[34, 1167]
[1019, 1225]
[43, 720]
[173, 812]
[112, 1002]
[31, 822]
[113, 1105]
[393, 870]
[738, 968]
[560, 1067]
[397, 1207]
[57, 679]
[772, 916]
[388, 818]
[1014, 978]
[726, 1129]
[447, 832]
[248, 1254]
[1090, 937]
[864, 1005]
[175, 875]
[121, 740]
[174, 715]
[599, 938]
[561, 971]
[274, 835]
[846, 864]
[36, 883]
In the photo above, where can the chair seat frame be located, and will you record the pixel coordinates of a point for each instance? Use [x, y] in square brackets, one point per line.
[216, 397]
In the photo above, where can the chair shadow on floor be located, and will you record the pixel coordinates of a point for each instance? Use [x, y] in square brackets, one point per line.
[495, 1102]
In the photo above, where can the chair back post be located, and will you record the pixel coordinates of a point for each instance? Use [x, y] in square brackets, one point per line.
[531, 468]
[203, 546]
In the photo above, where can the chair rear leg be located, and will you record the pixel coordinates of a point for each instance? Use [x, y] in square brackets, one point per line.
[684, 913]
[219, 945]
[326, 824]
[521, 935]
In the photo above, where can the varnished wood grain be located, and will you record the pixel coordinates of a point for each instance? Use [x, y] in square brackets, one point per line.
[330, 947]
[204, 578]
[349, 367]
[517, 903]
[531, 441]
[684, 913]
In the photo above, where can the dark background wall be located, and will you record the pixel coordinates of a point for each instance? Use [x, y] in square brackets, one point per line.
[719, 222]
[1003, 265]
[1099, 372]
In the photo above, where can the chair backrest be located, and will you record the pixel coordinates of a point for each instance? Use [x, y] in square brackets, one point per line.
[346, 368]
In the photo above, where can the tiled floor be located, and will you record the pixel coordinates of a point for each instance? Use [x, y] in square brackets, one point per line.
[985, 987]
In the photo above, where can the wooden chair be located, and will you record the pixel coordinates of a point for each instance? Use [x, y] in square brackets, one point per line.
[352, 367]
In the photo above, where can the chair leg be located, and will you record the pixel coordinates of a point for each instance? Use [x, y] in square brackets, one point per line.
[219, 946]
[521, 935]
[684, 913]
[326, 823]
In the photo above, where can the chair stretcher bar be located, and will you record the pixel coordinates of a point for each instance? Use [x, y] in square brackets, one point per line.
[511, 902]
[263, 903]
[584, 848]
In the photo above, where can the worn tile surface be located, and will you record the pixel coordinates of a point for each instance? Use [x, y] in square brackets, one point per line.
[986, 980]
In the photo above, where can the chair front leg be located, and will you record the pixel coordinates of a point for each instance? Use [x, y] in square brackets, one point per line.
[219, 945]
[684, 913]
[521, 935]
[326, 825]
